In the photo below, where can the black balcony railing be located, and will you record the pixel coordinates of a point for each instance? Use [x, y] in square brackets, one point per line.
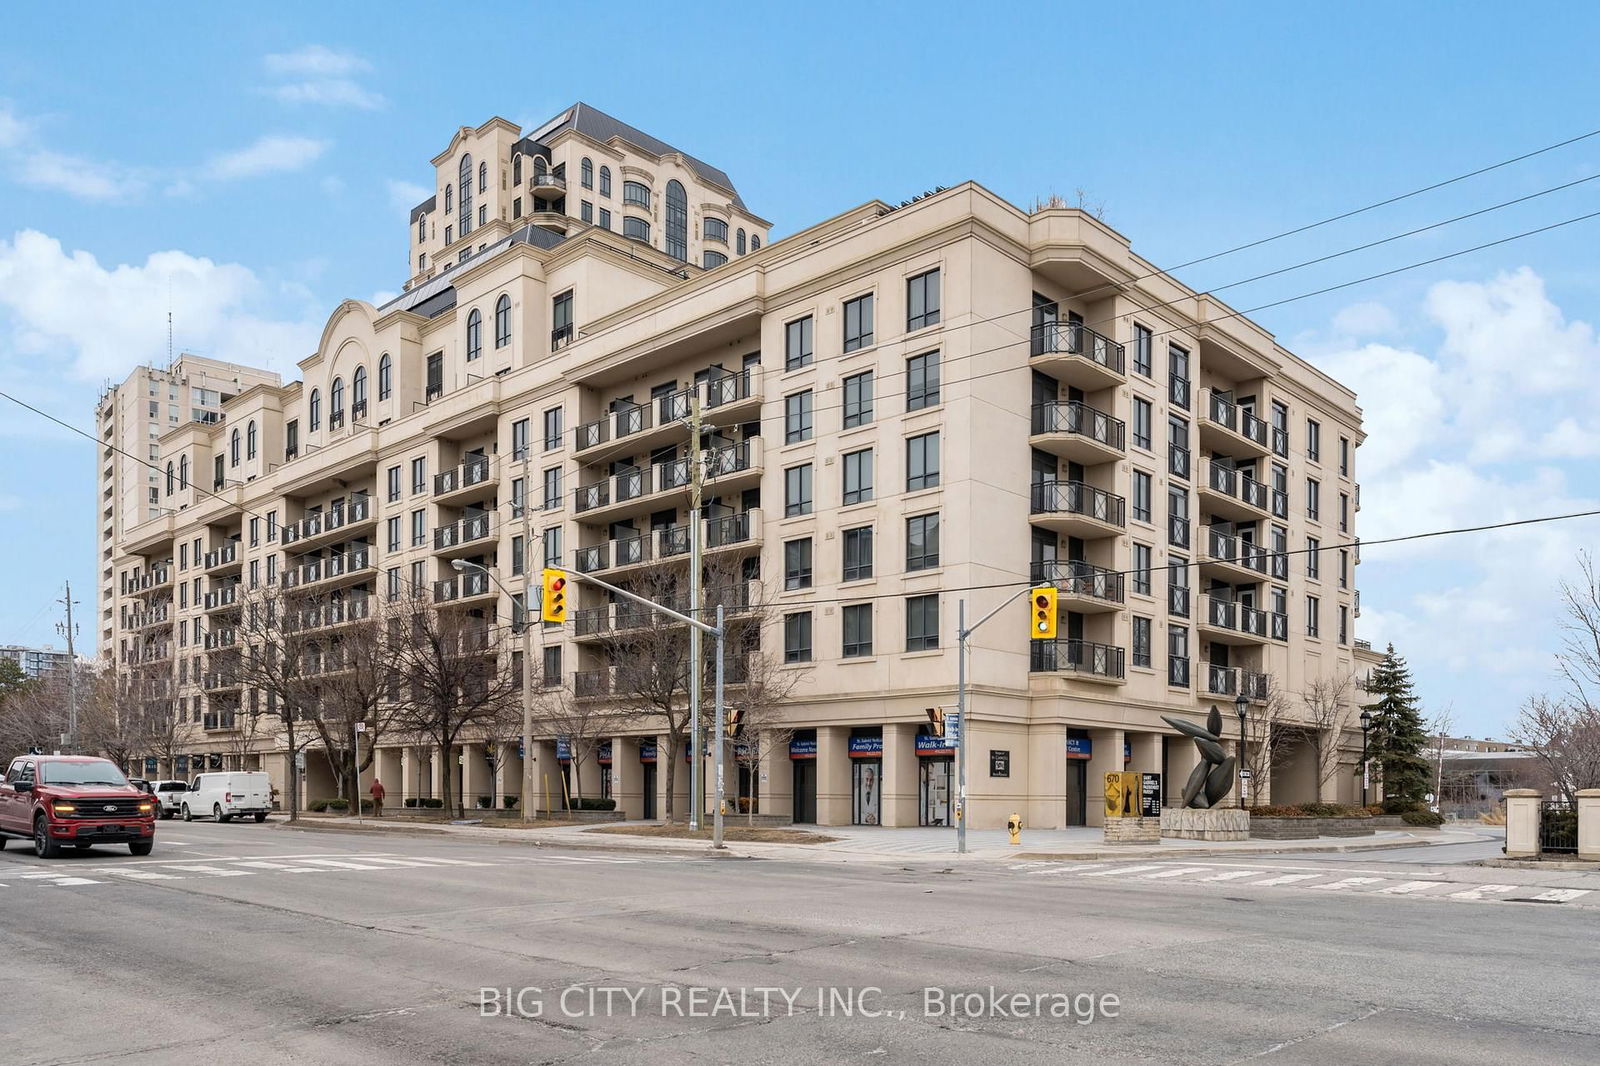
[1079, 419]
[1177, 531]
[1178, 391]
[474, 471]
[1076, 656]
[729, 388]
[1073, 578]
[469, 529]
[1222, 680]
[731, 529]
[1073, 338]
[1074, 497]
[1178, 671]
[1178, 601]
[1178, 460]
[561, 336]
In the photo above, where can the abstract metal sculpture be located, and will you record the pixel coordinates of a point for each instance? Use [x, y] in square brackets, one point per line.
[1212, 779]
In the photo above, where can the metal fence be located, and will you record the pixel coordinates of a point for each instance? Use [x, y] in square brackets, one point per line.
[1558, 827]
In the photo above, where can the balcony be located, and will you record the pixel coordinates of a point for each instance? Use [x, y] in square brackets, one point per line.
[224, 597]
[1075, 508]
[221, 638]
[332, 613]
[1178, 601]
[158, 652]
[467, 483]
[223, 558]
[162, 615]
[462, 538]
[215, 721]
[338, 569]
[609, 619]
[221, 680]
[725, 399]
[472, 585]
[670, 543]
[341, 515]
[1227, 621]
[1076, 355]
[1226, 557]
[1082, 659]
[1228, 428]
[547, 186]
[1081, 586]
[1229, 681]
[1230, 493]
[644, 489]
[1078, 432]
[608, 681]
[159, 577]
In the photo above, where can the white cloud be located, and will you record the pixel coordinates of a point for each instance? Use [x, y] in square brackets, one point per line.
[267, 155]
[404, 195]
[65, 312]
[319, 75]
[1365, 320]
[13, 131]
[44, 169]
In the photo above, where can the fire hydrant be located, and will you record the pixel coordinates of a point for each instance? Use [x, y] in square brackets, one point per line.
[1014, 827]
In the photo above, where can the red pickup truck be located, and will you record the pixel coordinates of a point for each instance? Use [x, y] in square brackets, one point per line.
[76, 800]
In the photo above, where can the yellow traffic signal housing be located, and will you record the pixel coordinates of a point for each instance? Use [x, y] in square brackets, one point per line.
[735, 722]
[1042, 601]
[553, 605]
[936, 721]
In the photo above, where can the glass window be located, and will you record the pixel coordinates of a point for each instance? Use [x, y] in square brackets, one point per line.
[857, 553]
[586, 172]
[1280, 428]
[1143, 360]
[422, 228]
[466, 194]
[922, 462]
[519, 438]
[552, 488]
[586, 212]
[233, 450]
[1142, 412]
[797, 417]
[922, 301]
[605, 218]
[1141, 496]
[552, 546]
[1178, 376]
[561, 328]
[502, 321]
[922, 381]
[393, 530]
[1313, 499]
[922, 622]
[755, 241]
[419, 474]
[677, 244]
[1178, 656]
[858, 476]
[1141, 569]
[483, 177]
[394, 483]
[858, 323]
[858, 399]
[1344, 510]
[250, 439]
[1344, 568]
[1313, 557]
[857, 630]
[636, 192]
[605, 181]
[552, 429]
[1313, 440]
[797, 343]
[739, 245]
[711, 260]
[797, 490]
[797, 563]
[314, 410]
[385, 376]
[1141, 641]
[797, 637]
[1313, 616]
[1344, 456]
[419, 528]
[474, 335]
[922, 542]
[635, 229]
[715, 230]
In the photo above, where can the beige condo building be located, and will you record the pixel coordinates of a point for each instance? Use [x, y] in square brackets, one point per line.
[903, 406]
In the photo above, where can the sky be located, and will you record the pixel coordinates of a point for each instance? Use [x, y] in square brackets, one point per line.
[251, 167]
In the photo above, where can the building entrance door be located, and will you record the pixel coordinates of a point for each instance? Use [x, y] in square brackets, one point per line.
[805, 791]
[649, 775]
[868, 791]
[935, 792]
[1077, 792]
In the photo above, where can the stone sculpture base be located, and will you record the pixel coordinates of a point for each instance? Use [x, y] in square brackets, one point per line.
[1216, 823]
[1133, 830]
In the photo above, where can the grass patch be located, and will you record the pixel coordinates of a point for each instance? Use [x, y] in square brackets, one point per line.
[412, 817]
[737, 833]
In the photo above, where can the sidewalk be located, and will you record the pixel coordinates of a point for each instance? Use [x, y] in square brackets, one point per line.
[876, 844]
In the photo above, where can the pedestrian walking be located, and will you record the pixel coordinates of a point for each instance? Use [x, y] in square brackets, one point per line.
[377, 797]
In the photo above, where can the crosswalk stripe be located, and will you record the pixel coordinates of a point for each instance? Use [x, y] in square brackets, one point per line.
[66, 881]
[145, 875]
[215, 871]
[278, 867]
[1406, 888]
[1286, 879]
[1348, 882]
[1479, 891]
[1179, 872]
[393, 863]
[340, 864]
[453, 862]
[1231, 875]
[1560, 895]
[1121, 870]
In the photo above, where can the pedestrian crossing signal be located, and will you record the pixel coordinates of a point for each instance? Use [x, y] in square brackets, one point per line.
[735, 722]
[1043, 600]
[553, 605]
[936, 721]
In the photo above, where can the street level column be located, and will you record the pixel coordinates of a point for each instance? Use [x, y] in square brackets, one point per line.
[775, 786]
[834, 775]
[900, 777]
[1105, 757]
[627, 777]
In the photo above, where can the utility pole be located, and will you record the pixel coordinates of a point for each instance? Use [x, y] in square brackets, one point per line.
[70, 631]
[696, 787]
[527, 638]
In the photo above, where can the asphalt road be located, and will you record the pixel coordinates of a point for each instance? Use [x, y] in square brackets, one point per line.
[256, 944]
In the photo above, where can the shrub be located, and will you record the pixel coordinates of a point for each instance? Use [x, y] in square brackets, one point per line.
[433, 802]
[338, 806]
[1494, 816]
[509, 801]
[1401, 806]
[317, 805]
[1374, 808]
[1428, 818]
[1335, 810]
[485, 802]
[587, 804]
[1280, 811]
[411, 801]
[366, 806]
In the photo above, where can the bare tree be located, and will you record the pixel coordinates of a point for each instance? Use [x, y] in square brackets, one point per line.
[764, 726]
[32, 713]
[455, 682]
[1267, 729]
[280, 658]
[1564, 732]
[1328, 703]
[581, 724]
[352, 685]
[1440, 723]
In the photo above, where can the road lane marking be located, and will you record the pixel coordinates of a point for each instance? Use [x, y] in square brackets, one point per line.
[1480, 890]
[281, 867]
[1120, 870]
[1286, 879]
[64, 881]
[1348, 882]
[144, 875]
[1232, 875]
[1179, 872]
[1559, 895]
[1406, 888]
[214, 871]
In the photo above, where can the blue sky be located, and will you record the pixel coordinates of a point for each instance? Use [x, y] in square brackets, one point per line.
[262, 160]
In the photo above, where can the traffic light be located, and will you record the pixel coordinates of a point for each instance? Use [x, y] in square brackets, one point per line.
[553, 606]
[936, 721]
[735, 722]
[1043, 601]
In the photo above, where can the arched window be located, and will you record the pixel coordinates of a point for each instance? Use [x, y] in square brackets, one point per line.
[422, 228]
[739, 239]
[502, 321]
[715, 229]
[714, 259]
[474, 335]
[169, 479]
[755, 241]
[466, 195]
[636, 193]
[636, 229]
[233, 450]
[483, 177]
[605, 181]
[385, 376]
[314, 410]
[336, 404]
[183, 471]
[250, 440]
[586, 172]
[358, 393]
[449, 198]
[516, 171]
[678, 221]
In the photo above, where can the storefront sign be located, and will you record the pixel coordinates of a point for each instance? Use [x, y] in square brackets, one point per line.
[151, 766]
[1127, 752]
[603, 755]
[1150, 795]
[935, 747]
[181, 766]
[563, 749]
[742, 749]
[999, 763]
[647, 751]
[803, 749]
[1080, 748]
[866, 747]
[952, 727]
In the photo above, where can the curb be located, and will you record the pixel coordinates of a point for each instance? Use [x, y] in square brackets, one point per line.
[1135, 852]
[1579, 865]
[441, 833]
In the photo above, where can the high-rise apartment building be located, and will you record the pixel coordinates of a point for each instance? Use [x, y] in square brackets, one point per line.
[35, 663]
[901, 407]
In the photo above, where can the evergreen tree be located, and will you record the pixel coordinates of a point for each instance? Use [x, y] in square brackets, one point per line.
[1398, 736]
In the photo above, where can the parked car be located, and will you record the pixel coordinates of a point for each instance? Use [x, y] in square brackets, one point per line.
[74, 800]
[225, 796]
[169, 797]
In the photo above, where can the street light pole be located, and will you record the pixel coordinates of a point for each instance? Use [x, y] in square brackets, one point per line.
[1241, 706]
[1366, 726]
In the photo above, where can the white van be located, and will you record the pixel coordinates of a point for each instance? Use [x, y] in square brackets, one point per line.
[224, 796]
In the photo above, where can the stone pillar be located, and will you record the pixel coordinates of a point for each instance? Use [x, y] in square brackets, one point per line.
[775, 784]
[833, 775]
[547, 795]
[1522, 823]
[1104, 758]
[901, 781]
[393, 777]
[627, 777]
[1047, 777]
[1588, 824]
[410, 776]
[680, 786]
[1182, 758]
[440, 776]
[474, 775]
[1146, 752]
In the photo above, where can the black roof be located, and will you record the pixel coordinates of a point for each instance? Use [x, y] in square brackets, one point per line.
[424, 207]
[438, 294]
